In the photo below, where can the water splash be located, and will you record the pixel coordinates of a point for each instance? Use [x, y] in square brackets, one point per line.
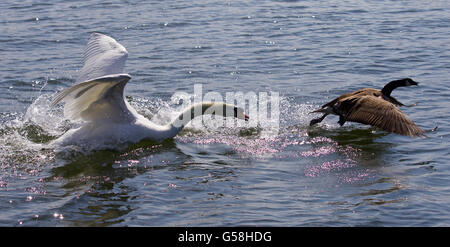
[41, 124]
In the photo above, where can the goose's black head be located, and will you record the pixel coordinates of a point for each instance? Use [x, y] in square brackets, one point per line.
[405, 82]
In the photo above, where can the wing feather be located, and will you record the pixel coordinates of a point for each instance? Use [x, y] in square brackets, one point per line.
[100, 98]
[380, 113]
[98, 94]
[103, 56]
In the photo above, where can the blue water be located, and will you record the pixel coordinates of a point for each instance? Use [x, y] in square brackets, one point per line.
[308, 51]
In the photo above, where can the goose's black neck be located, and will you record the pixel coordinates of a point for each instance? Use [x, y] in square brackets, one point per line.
[387, 90]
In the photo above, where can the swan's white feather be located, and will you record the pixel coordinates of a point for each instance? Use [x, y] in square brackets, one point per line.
[98, 94]
[110, 134]
[103, 56]
[99, 99]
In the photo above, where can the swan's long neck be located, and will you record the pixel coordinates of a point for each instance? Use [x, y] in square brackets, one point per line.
[194, 111]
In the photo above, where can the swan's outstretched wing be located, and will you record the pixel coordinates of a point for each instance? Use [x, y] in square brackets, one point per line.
[98, 99]
[380, 113]
[98, 94]
[103, 56]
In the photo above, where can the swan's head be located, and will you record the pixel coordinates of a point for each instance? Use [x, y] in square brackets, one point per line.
[239, 113]
[226, 110]
[212, 108]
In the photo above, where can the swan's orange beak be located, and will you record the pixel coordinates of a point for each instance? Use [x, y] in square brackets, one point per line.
[246, 117]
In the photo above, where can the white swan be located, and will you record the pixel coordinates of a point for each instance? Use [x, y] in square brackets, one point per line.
[98, 99]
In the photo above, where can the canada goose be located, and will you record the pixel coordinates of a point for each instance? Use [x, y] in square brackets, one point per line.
[373, 107]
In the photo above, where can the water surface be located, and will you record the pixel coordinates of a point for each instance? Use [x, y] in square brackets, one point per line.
[308, 51]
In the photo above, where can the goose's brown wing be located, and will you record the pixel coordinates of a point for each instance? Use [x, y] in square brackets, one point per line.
[360, 93]
[380, 113]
